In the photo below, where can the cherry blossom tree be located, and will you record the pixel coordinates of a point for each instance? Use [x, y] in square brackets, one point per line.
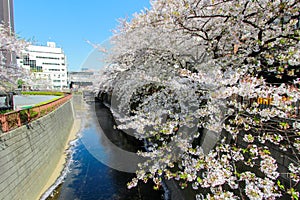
[10, 46]
[211, 86]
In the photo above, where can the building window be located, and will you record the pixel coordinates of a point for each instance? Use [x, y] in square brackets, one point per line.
[26, 60]
[44, 57]
[44, 63]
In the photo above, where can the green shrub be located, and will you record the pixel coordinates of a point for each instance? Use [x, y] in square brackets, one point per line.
[43, 112]
[45, 102]
[23, 116]
[54, 93]
[5, 111]
[33, 114]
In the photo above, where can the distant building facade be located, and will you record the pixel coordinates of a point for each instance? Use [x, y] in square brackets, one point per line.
[85, 80]
[81, 80]
[47, 66]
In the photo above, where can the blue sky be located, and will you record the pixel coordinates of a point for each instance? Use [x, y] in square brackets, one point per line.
[70, 23]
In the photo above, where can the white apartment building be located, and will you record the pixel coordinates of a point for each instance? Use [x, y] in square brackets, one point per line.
[47, 66]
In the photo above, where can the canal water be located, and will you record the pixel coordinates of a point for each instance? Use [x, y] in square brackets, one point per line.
[87, 176]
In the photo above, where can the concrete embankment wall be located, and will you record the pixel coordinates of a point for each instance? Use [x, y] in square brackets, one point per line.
[29, 154]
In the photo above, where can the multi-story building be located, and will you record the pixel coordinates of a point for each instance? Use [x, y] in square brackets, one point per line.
[47, 66]
[6, 13]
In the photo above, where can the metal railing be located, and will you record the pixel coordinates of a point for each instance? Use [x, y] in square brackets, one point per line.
[14, 119]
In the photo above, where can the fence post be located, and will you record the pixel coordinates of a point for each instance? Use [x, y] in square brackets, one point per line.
[4, 123]
[28, 115]
[1, 122]
[19, 119]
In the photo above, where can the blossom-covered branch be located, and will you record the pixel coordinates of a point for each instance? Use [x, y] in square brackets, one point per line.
[212, 86]
[10, 46]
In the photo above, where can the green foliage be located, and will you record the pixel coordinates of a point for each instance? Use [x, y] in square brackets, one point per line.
[23, 116]
[20, 83]
[45, 102]
[54, 93]
[293, 193]
[281, 186]
[33, 113]
[36, 70]
[49, 109]
[5, 111]
[43, 112]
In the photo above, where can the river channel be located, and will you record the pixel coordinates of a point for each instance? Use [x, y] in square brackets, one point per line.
[87, 177]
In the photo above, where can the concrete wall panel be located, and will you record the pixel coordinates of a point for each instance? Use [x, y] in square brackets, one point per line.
[29, 154]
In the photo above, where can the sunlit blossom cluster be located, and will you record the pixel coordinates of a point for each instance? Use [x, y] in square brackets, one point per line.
[204, 84]
[9, 44]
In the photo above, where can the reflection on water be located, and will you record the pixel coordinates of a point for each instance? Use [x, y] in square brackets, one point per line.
[90, 179]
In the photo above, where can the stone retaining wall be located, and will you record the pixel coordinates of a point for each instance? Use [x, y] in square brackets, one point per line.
[29, 154]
